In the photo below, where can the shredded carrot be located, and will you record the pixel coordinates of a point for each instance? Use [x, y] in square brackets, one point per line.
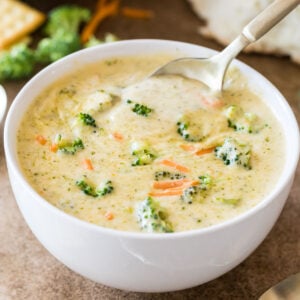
[167, 184]
[104, 9]
[117, 136]
[53, 147]
[175, 165]
[171, 187]
[205, 151]
[214, 102]
[187, 147]
[137, 13]
[40, 139]
[167, 192]
[109, 216]
[88, 164]
[196, 151]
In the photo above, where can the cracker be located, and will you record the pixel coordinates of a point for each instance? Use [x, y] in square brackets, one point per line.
[16, 21]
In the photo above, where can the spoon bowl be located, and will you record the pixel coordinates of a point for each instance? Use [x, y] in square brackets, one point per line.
[209, 71]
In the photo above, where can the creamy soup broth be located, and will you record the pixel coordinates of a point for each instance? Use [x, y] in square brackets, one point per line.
[161, 154]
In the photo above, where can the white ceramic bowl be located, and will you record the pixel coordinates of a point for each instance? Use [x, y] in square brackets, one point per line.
[3, 102]
[139, 261]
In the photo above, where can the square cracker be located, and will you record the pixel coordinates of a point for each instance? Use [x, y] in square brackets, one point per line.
[17, 20]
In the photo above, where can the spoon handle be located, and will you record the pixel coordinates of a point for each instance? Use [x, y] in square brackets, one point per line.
[268, 18]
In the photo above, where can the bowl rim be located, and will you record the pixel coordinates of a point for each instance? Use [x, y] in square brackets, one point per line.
[13, 162]
[3, 103]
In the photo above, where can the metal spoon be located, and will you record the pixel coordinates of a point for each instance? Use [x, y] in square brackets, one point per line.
[211, 70]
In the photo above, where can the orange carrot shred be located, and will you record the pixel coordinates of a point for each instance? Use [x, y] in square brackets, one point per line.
[187, 147]
[171, 188]
[53, 147]
[117, 136]
[104, 9]
[205, 151]
[109, 216]
[88, 164]
[40, 139]
[168, 192]
[137, 13]
[167, 184]
[175, 165]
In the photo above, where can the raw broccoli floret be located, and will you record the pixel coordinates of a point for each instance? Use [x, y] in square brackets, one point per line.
[242, 121]
[142, 155]
[67, 19]
[16, 63]
[62, 28]
[108, 38]
[151, 217]
[50, 49]
[234, 153]
[197, 192]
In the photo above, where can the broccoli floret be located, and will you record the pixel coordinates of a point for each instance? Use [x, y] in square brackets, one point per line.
[190, 194]
[86, 188]
[151, 217]
[242, 121]
[87, 119]
[189, 130]
[140, 109]
[205, 182]
[108, 38]
[63, 38]
[142, 158]
[197, 192]
[104, 189]
[62, 28]
[161, 175]
[53, 48]
[70, 147]
[183, 130]
[234, 153]
[16, 63]
[142, 155]
[67, 19]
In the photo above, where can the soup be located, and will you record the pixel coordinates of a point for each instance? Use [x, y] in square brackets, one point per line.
[159, 154]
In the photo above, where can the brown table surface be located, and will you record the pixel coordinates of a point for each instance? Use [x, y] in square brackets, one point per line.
[28, 271]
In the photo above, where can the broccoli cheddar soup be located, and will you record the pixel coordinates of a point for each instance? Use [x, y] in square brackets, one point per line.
[159, 154]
